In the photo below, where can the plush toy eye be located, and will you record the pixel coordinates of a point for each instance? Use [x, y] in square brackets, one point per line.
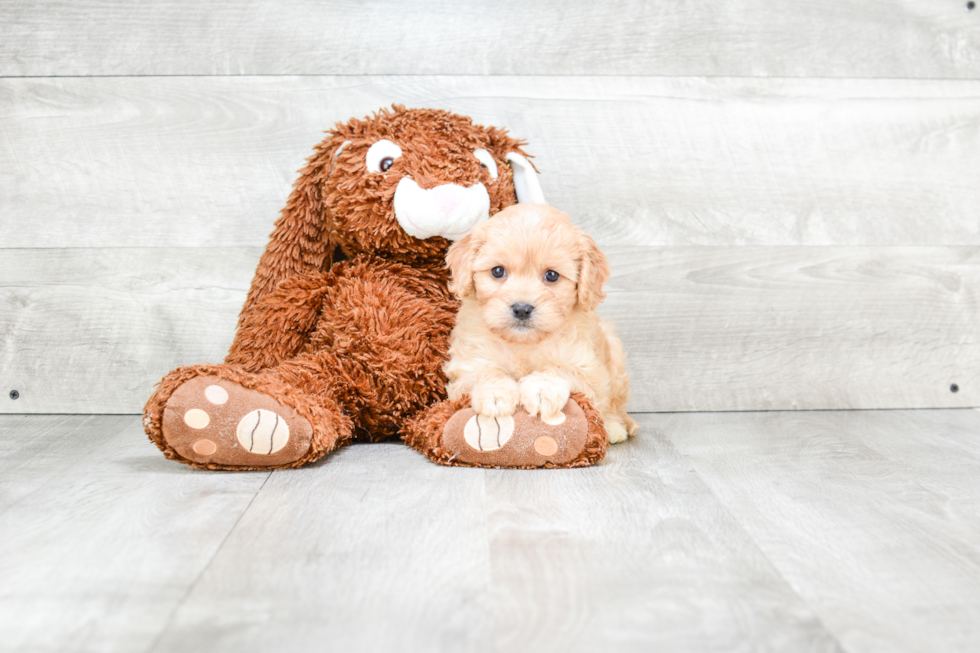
[486, 161]
[381, 156]
[498, 272]
[551, 276]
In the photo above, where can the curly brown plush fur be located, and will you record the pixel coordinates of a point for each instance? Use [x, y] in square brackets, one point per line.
[344, 350]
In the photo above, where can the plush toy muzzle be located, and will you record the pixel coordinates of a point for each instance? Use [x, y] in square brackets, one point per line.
[449, 210]
[452, 210]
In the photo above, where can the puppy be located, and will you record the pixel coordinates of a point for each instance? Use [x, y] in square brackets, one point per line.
[527, 332]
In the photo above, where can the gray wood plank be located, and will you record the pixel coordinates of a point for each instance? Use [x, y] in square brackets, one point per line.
[712, 328]
[372, 549]
[633, 555]
[842, 531]
[873, 38]
[148, 162]
[379, 550]
[100, 536]
[774, 328]
[92, 330]
[871, 517]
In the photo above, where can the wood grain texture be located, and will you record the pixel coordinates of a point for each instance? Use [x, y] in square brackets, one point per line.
[871, 517]
[150, 162]
[380, 550]
[825, 38]
[91, 330]
[846, 531]
[633, 555]
[100, 536]
[705, 328]
[371, 549]
[850, 531]
[773, 328]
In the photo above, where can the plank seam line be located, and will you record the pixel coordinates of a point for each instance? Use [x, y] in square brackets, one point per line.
[763, 78]
[183, 599]
[758, 547]
[893, 409]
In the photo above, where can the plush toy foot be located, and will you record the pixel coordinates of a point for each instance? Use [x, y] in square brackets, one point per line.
[217, 417]
[452, 433]
[212, 420]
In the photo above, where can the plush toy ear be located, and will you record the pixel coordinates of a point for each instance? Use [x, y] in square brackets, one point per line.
[459, 259]
[526, 183]
[300, 242]
[593, 273]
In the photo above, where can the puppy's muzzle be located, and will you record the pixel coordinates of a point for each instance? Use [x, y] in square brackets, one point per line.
[522, 311]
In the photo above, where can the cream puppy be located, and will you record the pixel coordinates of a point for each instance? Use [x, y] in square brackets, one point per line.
[527, 333]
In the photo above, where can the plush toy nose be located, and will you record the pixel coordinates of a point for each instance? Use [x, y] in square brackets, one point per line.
[447, 197]
[522, 311]
[447, 210]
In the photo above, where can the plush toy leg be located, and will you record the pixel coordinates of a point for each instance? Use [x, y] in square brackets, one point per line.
[451, 433]
[219, 417]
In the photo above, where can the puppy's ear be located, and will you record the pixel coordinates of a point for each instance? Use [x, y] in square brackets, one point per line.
[593, 273]
[459, 259]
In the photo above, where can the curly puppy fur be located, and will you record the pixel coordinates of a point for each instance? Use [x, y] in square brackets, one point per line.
[355, 346]
[527, 333]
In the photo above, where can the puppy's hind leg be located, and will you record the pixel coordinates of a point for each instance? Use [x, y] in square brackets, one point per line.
[615, 430]
[619, 424]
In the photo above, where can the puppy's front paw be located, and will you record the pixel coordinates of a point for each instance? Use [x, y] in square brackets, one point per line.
[496, 398]
[545, 395]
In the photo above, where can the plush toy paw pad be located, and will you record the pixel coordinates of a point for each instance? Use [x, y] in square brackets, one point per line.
[262, 431]
[546, 445]
[212, 420]
[485, 433]
[518, 441]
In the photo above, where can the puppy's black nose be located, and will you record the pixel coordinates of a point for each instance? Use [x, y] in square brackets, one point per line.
[522, 311]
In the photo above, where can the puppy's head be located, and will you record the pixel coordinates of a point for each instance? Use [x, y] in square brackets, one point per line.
[529, 269]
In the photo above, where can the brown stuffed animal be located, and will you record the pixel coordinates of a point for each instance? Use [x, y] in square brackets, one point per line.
[346, 324]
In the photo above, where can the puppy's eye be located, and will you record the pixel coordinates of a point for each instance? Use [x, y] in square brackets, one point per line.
[498, 272]
[486, 161]
[551, 276]
[381, 156]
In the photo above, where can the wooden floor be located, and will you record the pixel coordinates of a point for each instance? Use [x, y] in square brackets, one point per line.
[844, 531]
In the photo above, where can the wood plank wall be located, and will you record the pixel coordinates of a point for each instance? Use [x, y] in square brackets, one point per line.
[789, 192]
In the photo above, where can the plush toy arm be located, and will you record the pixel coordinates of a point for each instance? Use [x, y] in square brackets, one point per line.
[279, 324]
